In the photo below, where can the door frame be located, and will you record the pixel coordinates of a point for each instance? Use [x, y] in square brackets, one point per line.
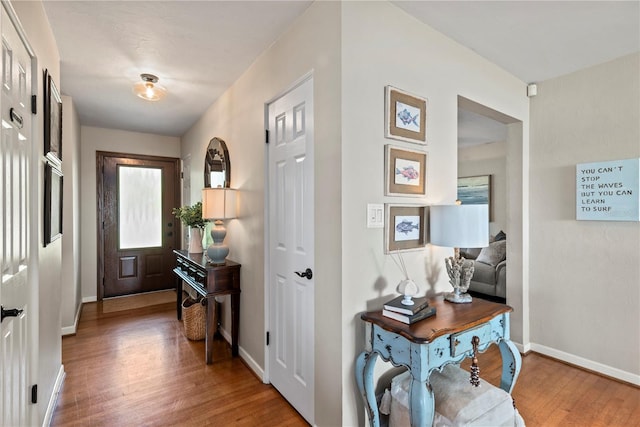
[100, 157]
[267, 237]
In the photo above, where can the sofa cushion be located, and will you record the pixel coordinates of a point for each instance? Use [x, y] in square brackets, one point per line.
[494, 253]
[470, 253]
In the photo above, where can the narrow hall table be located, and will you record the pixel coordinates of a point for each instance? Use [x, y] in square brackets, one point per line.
[209, 281]
[431, 344]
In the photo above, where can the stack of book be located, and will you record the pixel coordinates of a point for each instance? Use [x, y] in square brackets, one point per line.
[408, 314]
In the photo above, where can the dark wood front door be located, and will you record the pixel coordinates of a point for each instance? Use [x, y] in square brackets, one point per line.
[137, 231]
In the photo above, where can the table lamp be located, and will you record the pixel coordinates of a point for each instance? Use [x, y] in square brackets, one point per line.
[218, 204]
[459, 226]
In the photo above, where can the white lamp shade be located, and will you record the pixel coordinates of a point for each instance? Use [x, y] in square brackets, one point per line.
[219, 203]
[459, 226]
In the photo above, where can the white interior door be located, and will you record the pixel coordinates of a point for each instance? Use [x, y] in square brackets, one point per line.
[291, 244]
[14, 226]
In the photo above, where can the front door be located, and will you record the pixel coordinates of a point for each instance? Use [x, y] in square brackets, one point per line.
[139, 231]
[15, 231]
[291, 248]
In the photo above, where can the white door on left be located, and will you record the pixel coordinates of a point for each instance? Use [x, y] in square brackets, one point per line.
[15, 187]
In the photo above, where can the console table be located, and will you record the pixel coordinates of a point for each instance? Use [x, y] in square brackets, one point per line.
[209, 281]
[431, 344]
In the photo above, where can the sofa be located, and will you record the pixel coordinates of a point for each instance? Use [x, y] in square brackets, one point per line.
[490, 268]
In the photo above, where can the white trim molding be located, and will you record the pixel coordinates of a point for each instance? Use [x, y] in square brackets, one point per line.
[587, 364]
[70, 330]
[54, 397]
[251, 363]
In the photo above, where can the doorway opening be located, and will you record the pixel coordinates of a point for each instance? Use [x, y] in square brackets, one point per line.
[490, 153]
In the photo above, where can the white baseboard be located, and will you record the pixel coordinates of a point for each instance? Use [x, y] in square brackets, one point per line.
[53, 399]
[587, 364]
[89, 299]
[523, 349]
[253, 365]
[70, 330]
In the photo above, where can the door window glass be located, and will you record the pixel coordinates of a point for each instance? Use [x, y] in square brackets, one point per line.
[139, 207]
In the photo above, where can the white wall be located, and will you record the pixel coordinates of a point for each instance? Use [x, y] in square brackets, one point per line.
[117, 141]
[585, 275]
[489, 159]
[71, 297]
[238, 117]
[381, 46]
[47, 356]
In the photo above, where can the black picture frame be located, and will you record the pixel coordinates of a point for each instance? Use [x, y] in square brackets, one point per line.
[52, 203]
[52, 119]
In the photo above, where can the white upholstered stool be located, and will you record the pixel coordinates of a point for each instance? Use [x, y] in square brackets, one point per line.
[457, 402]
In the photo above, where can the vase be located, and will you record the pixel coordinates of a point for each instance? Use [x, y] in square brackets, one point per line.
[207, 240]
[195, 240]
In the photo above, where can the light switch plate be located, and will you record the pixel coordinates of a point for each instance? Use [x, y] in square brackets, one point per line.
[375, 215]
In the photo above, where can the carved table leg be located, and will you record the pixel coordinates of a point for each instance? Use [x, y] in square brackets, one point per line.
[235, 323]
[210, 329]
[511, 364]
[179, 297]
[364, 377]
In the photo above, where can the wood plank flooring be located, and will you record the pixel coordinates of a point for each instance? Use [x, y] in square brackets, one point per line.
[136, 368]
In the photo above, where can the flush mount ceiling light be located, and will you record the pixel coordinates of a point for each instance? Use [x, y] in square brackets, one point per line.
[149, 88]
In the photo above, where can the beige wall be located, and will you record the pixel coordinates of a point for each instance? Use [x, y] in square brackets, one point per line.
[489, 159]
[585, 298]
[117, 141]
[71, 259]
[382, 45]
[238, 117]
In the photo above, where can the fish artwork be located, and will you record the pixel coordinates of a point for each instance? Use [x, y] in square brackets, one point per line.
[406, 119]
[406, 227]
[409, 173]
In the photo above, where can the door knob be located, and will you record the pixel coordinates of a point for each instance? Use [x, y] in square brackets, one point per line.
[14, 312]
[307, 273]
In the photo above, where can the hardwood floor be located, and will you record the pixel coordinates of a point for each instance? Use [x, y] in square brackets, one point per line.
[550, 393]
[136, 368]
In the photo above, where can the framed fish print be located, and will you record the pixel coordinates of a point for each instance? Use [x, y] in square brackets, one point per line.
[405, 116]
[406, 172]
[405, 227]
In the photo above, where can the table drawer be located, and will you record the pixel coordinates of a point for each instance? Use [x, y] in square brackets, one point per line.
[461, 342]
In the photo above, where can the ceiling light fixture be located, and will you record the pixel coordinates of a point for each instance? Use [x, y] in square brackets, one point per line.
[148, 88]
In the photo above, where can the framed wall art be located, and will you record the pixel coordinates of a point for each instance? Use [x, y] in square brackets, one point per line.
[405, 116]
[52, 119]
[406, 172]
[405, 227]
[52, 203]
[475, 190]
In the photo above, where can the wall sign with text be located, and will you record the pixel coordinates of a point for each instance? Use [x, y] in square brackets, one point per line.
[608, 191]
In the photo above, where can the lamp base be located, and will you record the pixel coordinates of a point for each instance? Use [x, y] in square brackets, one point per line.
[217, 254]
[458, 298]
[218, 251]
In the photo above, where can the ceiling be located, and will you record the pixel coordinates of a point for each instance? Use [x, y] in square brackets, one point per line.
[199, 48]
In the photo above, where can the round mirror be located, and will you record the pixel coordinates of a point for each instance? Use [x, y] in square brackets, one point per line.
[217, 168]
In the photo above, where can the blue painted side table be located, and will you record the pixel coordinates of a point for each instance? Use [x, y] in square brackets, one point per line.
[431, 344]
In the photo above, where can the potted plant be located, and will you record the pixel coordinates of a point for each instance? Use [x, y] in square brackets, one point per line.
[191, 216]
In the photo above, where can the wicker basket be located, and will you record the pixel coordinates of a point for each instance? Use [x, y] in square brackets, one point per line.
[194, 318]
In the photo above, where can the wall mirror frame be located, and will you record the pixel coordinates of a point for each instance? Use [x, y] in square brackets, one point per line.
[217, 167]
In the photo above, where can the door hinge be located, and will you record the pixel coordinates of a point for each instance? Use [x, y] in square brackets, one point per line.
[266, 136]
[34, 104]
[181, 175]
[267, 338]
[34, 393]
